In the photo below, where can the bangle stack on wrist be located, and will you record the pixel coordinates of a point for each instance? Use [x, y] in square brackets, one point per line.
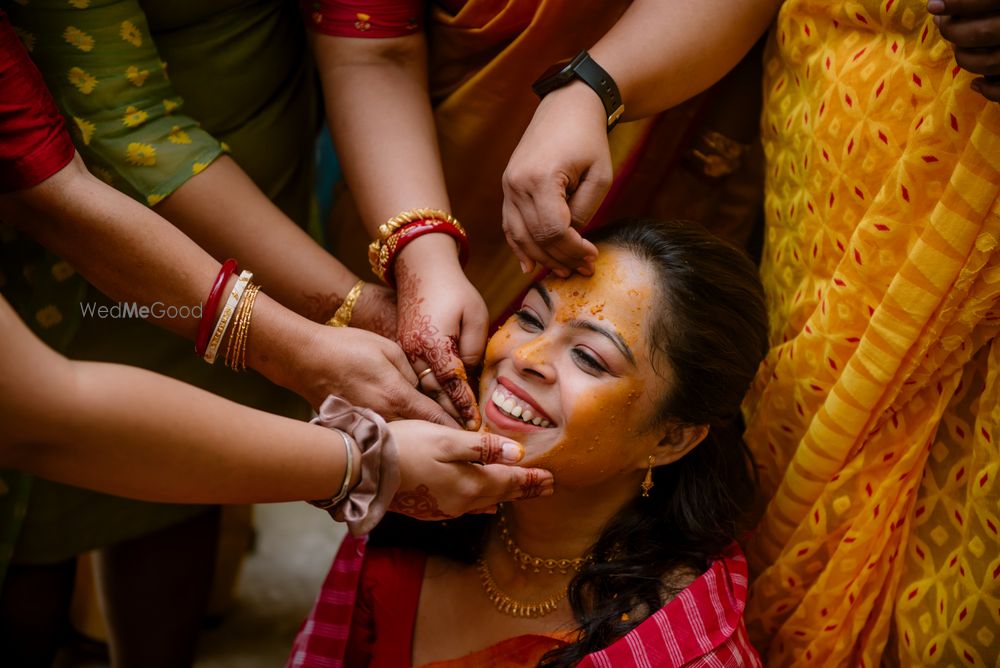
[397, 232]
[236, 311]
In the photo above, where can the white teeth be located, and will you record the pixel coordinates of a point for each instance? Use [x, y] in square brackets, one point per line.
[511, 407]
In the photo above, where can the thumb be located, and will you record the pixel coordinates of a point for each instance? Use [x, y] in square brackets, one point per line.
[589, 194]
[511, 483]
[483, 448]
[472, 338]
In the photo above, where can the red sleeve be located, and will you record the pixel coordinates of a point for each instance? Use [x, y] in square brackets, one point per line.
[364, 18]
[34, 143]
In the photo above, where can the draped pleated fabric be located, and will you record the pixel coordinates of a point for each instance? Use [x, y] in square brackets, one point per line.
[875, 418]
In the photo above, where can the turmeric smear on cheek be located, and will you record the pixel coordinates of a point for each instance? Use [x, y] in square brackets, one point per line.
[597, 432]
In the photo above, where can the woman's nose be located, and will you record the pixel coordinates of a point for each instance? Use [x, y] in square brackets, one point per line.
[534, 358]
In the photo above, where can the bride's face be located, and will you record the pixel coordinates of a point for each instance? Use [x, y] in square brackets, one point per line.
[570, 375]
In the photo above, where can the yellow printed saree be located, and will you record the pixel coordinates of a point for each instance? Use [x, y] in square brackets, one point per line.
[876, 416]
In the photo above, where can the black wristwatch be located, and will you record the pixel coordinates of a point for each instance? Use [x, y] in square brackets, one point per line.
[584, 68]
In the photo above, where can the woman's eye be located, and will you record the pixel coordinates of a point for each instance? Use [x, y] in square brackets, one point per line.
[588, 360]
[528, 320]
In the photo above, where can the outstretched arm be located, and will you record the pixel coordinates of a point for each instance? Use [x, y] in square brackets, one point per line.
[660, 53]
[135, 433]
[131, 254]
[380, 116]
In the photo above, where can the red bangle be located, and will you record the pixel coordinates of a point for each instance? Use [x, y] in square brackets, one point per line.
[229, 267]
[416, 230]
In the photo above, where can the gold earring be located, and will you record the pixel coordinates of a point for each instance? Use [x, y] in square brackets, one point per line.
[647, 483]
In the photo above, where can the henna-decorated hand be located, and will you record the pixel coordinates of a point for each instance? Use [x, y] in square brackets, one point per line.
[973, 26]
[446, 472]
[442, 320]
[376, 310]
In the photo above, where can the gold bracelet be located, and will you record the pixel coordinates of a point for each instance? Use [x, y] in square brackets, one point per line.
[342, 318]
[380, 249]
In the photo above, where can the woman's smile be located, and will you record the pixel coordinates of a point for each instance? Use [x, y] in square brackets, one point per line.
[569, 368]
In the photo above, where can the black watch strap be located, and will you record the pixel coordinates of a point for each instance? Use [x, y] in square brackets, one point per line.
[586, 69]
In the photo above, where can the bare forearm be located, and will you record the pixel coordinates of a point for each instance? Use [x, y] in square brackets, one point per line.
[660, 53]
[131, 254]
[119, 245]
[140, 435]
[134, 433]
[380, 116]
[226, 214]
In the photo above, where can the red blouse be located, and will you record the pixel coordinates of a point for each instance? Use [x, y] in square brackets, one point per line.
[364, 18]
[365, 613]
[34, 143]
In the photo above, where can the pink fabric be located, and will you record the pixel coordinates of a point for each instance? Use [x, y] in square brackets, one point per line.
[34, 143]
[364, 18]
[368, 502]
[702, 627]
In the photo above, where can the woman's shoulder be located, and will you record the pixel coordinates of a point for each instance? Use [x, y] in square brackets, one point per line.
[702, 623]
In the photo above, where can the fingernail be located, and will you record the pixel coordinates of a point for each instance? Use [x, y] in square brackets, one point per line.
[935, 6]
[561, 273]
[471, 425]
[511, 452]
[524, 267]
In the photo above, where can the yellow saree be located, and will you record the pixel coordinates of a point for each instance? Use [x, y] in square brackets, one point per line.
[876, 416]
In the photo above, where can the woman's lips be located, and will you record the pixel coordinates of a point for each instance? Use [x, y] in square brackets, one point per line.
[514, 402]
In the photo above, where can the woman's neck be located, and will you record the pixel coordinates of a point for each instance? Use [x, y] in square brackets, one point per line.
[566, 524]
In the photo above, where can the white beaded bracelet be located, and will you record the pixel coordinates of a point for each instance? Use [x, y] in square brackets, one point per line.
[226, 316]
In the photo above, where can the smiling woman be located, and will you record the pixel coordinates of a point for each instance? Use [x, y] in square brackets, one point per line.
[627, 386]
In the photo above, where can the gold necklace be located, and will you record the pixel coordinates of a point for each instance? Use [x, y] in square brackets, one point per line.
[510, 606]
[525, 560]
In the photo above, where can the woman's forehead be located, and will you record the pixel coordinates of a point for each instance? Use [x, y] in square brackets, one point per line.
[618, 294]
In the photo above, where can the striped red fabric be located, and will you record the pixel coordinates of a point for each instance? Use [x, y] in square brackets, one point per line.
[702, 627]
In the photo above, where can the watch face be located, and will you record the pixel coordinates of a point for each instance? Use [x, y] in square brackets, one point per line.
[555, 76]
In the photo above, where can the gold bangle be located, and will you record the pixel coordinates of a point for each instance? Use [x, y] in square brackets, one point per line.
[382, 246]
[342, 318]
[226, 317]
[236, 349]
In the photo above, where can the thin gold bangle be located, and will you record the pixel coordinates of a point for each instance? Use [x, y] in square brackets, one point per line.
[342, 318]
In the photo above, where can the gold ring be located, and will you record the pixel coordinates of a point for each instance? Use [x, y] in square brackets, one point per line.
[420, 376]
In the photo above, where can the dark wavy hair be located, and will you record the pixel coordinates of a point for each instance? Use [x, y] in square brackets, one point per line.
[711, 332]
